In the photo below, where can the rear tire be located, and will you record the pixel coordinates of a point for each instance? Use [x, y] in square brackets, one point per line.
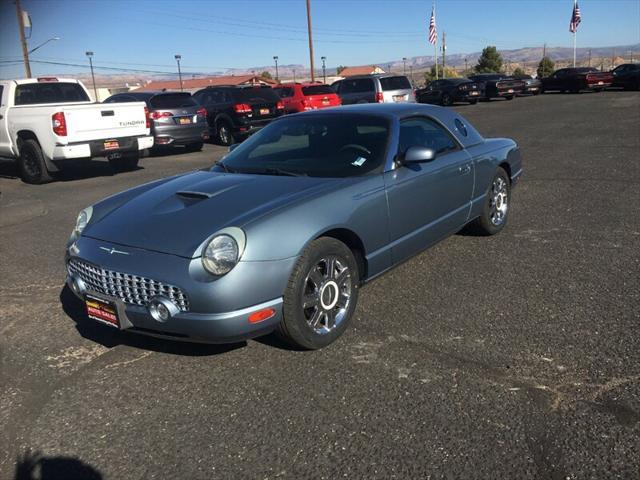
[473, 102]
[495, 212]
[126, 163]
[510, 97]
[31, 163]
[446, 100]
[224, 134]
[321, 295]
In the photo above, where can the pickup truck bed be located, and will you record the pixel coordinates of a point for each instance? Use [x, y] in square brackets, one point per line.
[45, 122]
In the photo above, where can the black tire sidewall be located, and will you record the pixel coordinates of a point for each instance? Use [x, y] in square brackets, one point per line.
[294, 326]
[31, 147]
[224, 124]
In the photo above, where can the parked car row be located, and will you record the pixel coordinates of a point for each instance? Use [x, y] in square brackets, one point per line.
[487, 86]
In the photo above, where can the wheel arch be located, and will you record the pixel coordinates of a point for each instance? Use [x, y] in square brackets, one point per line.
[354, 243]
[507, 168]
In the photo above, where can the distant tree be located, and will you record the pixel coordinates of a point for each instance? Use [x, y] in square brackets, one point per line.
[518, 72]
[490, 61]
[449, 72]
[266, 75]
[545, 67]
[340, 69]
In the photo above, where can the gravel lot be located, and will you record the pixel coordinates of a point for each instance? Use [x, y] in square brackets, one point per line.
[515, 356]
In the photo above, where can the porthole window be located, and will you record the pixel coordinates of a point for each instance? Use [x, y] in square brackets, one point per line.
[460, 127]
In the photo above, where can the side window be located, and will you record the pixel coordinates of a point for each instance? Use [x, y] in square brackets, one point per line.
[424, 132]
[1, 90]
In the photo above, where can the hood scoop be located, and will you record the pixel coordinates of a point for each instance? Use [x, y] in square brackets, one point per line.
[189, 194]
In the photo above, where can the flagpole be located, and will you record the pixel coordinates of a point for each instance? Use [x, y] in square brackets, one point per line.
[435, 45]
[575, 30]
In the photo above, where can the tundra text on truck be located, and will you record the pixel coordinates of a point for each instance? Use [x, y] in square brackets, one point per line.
[47, 121]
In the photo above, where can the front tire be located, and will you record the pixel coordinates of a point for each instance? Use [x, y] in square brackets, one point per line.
[496, 207]
[321, 295]
[33, 168]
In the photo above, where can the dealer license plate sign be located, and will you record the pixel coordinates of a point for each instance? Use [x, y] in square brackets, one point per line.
[102, 311]
[111, 144]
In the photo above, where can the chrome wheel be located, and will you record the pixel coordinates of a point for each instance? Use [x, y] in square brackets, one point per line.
[498, 202]
[224, 134]
[326, 295]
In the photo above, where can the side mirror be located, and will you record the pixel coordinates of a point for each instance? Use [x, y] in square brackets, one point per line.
[418, 154]
[233, 147]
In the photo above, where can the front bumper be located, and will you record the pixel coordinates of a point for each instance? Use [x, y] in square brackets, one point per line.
[218, 309]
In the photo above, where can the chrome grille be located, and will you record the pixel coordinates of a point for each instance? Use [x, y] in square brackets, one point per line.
[131, 289]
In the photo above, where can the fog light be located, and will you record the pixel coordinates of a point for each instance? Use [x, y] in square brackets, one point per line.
[78, 286]
[162, 309]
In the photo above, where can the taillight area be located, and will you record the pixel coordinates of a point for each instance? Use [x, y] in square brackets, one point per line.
[159, 115]
[280, 105]
[202, 112]
[379, 97]
[147, 119]
[242, 108]
[59, 124]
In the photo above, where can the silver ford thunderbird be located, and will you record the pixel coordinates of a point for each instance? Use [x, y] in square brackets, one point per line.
[282, 232]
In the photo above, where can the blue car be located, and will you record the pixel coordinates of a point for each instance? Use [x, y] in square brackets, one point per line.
[282, 232]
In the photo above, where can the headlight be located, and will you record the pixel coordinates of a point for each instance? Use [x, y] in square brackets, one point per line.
[221, 254]
[83, 219]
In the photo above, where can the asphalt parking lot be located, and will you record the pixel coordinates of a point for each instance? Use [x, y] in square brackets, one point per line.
[515, 356]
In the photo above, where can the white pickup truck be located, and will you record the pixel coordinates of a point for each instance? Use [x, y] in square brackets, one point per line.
[47, 121]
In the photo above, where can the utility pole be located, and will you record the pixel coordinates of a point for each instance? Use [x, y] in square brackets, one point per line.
[93, 78]
[411, 74]
[444, 49]
[613, 59]
[178, 57]
[313, 74]
[324, 69]
[466, 65]
[589, 57]
[23, 40]
[275, 59]
[294, 75]
[404, 65]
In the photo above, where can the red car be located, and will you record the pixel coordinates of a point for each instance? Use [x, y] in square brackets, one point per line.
[298, 97]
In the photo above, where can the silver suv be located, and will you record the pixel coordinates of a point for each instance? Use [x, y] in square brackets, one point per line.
[386, 88]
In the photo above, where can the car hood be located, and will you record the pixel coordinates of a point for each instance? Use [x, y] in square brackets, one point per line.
[176, 216]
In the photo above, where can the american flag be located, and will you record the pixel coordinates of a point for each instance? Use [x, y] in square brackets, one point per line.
[433, 31]
[575, 18]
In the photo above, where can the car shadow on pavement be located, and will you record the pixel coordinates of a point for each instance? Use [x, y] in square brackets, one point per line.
[79, 170]
[110, 337]
[35, 466]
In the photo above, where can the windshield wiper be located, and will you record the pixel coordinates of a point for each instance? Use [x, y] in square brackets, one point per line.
[280, 171]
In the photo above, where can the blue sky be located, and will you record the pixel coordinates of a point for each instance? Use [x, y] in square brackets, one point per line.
[215, 35]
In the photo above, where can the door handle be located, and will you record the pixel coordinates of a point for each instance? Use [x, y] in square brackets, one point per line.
[464, 169]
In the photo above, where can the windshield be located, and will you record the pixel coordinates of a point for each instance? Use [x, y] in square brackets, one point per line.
[49, 92]
[172, 100]
[343, 145]
[257, 95]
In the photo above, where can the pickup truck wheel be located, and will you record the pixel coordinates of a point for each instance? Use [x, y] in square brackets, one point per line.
[321, 295]
[496, 207]
[473, 102]
[33, 168]
[510, 97]
[194, 147]
[126, 163]
[224, 134]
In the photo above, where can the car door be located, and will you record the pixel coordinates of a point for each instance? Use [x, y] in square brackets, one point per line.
[557, 81]
[427, 201]
[432, 93]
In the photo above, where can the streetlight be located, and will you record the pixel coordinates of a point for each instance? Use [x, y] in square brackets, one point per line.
[43, 44]
[404, 65]
[275, 59]
[178, 57]
[93, 78]
[324, 69]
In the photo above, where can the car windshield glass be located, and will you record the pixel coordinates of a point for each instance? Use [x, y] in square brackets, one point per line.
[49, 92]
[343, 145]
[395, 83]
[317, 90]
[173, 100]
[257, 95]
